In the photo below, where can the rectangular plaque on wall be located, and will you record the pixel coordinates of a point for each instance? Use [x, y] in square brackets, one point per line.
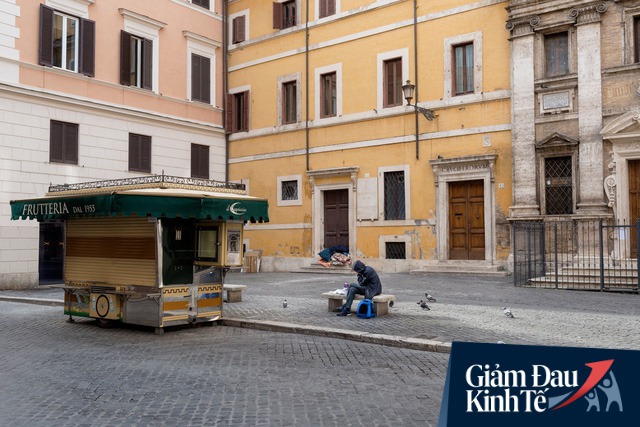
[367, 199]
[557, 101]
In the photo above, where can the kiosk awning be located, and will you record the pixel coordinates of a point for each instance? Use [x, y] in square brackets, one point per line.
[140, 203]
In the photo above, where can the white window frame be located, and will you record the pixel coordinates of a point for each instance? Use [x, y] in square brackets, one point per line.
[337, 68]
[403, 54]
[317, 11]
[382, 247]
[246, 13]
[298, 12]
[205, 47]
[63, 61]
[297, 78]
[148, 28]
[449, 43]
[407, 192]
[280, 180]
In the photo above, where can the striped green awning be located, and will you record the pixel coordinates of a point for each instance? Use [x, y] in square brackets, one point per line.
[248, 209]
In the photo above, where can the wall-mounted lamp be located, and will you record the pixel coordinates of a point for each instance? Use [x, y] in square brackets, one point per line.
[408, 90]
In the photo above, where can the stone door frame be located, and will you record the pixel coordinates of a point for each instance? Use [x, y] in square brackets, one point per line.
[467, 168]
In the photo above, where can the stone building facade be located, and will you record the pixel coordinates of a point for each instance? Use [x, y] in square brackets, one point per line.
[575, 109]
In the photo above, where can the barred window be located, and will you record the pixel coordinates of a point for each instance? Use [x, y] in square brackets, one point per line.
[558, 185]
[394, 195]
[289, 190]
[396, 250]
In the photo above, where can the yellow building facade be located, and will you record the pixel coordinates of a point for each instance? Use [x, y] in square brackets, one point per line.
[318, 124]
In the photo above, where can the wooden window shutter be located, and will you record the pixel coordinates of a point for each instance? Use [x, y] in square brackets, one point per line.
[278, 14]
[87, 50]
[145, 153]
[205, 79]
[147, 64]
[45, 48]
[55, 142]
[239, 29]
[245, 111]
[196, 77]
[229, 113]
[71, 143]
[331, 7]
[125, 58]
[199, 161]
[134, 150]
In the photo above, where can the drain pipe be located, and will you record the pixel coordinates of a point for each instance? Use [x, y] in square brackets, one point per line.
[415, 72]
[306, 78]
[225, 71]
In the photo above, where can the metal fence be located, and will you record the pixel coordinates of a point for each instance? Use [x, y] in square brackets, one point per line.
[576, 254]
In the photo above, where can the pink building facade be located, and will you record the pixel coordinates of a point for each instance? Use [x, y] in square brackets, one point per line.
[102, 89]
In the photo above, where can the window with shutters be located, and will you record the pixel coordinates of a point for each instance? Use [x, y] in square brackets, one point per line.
[238, 29]
[136, 60]
[392, 90]
[284, 14]
[556, 51]
[463, 69]
[328, 95]
[66, 42]
[200, 78]
[199, 161]
[63, 142]
[201, 3]
[326, 8]
[139, 153]
[289, 102]
[237, 119]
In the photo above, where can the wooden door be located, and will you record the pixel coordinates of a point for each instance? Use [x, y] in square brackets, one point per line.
[634, 203]
[336, 218]
[466, 220]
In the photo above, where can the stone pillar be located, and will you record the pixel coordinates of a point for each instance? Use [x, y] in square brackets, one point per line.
[591, 198]
[523, 132]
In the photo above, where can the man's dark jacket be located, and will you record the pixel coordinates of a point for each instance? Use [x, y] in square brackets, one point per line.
[368, 278]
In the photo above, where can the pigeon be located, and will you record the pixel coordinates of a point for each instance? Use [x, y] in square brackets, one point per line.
[430, 298]
[423, 305]
[284, 304]
[507, 312]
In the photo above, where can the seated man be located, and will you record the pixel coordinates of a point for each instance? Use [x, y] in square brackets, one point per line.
[368, 285]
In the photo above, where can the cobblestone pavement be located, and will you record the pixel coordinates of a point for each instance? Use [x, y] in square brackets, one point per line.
[468, 308]
[55, 373]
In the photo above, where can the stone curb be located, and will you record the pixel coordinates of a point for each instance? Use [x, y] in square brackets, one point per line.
[366, 337]
[37, 301]
[294, 328]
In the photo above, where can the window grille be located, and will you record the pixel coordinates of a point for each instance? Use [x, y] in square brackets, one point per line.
[394, 197]
[396, 250]
[558, 186]
[289, 190]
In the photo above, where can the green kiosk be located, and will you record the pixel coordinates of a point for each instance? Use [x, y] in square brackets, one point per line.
[148, 251]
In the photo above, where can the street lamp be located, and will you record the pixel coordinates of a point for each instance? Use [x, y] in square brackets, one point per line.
[408, 90]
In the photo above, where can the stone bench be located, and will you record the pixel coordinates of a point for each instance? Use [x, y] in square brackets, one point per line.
[380, 302]
[234, 292]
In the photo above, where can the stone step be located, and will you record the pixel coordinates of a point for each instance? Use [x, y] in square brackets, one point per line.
[588, 280]
[463, 268]
[317, 268]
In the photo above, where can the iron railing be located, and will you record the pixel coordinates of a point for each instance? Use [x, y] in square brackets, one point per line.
[577, 254]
